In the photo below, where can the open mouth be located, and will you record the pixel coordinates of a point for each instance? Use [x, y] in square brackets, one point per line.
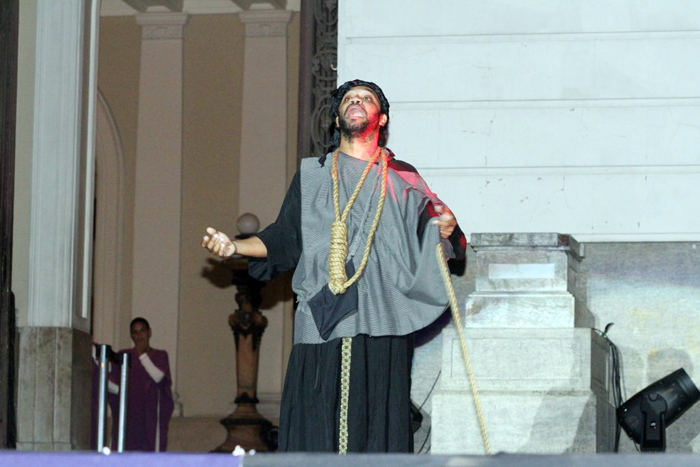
[355, 111]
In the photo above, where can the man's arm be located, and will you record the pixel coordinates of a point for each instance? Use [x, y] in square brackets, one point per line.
[221, 245]
[453, 238]
[274, 250]
[445, 221]
[280, 242]
[282, 238]
[153, 371]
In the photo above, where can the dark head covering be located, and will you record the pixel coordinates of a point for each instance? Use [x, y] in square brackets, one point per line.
[337, 97]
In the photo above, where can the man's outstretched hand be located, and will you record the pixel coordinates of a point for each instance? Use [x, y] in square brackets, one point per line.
[446, 221]
[218, 243]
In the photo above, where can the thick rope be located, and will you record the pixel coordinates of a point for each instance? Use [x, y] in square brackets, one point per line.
[463, 344]
[339, 283]
[337, 256]
[345, 360]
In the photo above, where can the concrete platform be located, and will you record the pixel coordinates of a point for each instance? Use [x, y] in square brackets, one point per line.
[65, 459]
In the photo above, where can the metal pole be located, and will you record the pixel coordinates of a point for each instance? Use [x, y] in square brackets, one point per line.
[123, 389]
[102, 405]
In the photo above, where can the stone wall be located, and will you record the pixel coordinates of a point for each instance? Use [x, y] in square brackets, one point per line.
[53, 389]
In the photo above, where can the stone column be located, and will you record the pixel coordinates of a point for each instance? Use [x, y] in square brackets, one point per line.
[158, 190]
[53, 406]
[263, 169]
[544, 384]
[263, 165]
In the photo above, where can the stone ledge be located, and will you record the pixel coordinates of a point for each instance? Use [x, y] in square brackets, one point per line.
[532, 360]
[523, 310]
[541, 423]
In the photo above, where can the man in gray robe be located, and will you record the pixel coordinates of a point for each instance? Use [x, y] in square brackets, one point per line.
[348, 380]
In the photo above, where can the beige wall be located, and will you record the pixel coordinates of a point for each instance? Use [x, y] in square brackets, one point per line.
[212, 134]
[292, 123]
[213, 72]
[292, 94]
[118, 80]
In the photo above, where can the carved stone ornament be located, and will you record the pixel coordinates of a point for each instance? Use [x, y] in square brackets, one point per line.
[266, 23]
[162, 26]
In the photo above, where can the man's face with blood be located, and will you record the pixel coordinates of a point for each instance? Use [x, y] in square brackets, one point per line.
[359, 113]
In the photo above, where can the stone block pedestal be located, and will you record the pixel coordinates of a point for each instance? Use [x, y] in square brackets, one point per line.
[543, 383]
[542, 391]
[53, 390]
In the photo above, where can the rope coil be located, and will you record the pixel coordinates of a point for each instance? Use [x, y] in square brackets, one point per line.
[336, 257]
[338, 281]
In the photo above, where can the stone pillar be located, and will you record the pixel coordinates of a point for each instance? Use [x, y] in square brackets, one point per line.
[263, 169]
[263, 165]
[53, 402]
[158, 190]
[544, 384]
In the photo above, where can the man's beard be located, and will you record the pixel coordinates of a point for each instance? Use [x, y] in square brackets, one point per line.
[352, 131]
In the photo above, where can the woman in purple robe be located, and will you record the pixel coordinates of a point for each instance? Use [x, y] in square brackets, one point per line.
[149, 399]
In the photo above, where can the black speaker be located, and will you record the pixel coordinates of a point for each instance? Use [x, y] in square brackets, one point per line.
[647, 414]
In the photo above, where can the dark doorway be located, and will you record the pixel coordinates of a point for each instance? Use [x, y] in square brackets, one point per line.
[9, 21]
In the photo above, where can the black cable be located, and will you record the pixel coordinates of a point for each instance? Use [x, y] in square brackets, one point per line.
[616, 378]
[431, 390]
[427, 436]
[426, 440]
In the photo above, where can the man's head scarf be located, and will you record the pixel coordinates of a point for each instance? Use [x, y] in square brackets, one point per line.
[337, 98]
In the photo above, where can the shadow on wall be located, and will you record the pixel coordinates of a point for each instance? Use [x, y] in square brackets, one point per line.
[277, 290]
[218, 273]
[565, 423]
[568, 420]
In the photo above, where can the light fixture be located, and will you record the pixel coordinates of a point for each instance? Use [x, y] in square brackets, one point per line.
[248, 225]
[647, 414]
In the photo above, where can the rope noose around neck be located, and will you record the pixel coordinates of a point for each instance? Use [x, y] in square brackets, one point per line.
[338, 280]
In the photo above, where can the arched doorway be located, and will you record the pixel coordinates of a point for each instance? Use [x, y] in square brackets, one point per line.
[109, 228]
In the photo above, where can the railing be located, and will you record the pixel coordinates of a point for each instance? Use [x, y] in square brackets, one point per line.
[107, 355]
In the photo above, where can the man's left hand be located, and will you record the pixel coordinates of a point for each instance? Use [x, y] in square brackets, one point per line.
[446, 221]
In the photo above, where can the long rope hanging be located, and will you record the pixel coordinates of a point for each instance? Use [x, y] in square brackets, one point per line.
[338, 279]
[454, 306]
